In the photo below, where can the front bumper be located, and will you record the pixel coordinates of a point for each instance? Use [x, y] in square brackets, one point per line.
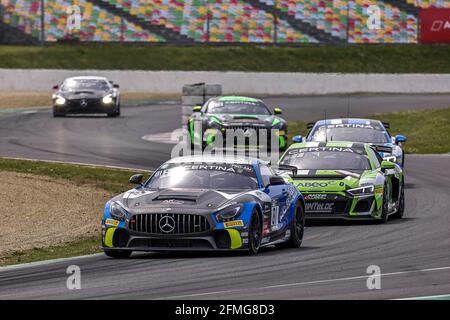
[340, 206]
[256, 142]
[86, 106]
[125, 236]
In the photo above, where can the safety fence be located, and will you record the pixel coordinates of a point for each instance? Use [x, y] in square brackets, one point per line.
[215, 21]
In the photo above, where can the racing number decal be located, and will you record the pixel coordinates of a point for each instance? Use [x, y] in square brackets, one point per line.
[275, 214]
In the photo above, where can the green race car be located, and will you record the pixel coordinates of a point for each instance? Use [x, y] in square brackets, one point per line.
[345, 180]
[239, 122]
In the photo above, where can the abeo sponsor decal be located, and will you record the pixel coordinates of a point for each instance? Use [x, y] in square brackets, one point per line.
[435, 25]
[231, 224]
[112, 222]
[315, 184]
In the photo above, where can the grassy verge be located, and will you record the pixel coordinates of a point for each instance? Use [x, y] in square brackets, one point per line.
[111, 180]
[374, 59]
[25, 99]
[72, 249]
[428, 131]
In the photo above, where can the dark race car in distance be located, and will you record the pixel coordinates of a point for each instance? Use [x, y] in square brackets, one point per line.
[197, 203]
[250, 116]
[86, 95]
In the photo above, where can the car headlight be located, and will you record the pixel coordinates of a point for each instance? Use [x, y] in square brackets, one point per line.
[362, 191]
[60, 100]
[107, 99]
[214, 123]
[390, 158]
[229, 212]
[117, 211]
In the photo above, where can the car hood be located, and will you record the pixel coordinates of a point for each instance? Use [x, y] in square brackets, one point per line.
[242, 119]
[142, 200]
[330, 180]
[84, 94]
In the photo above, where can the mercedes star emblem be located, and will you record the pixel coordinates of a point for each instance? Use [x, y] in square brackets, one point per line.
[166, 224]
[83, 103]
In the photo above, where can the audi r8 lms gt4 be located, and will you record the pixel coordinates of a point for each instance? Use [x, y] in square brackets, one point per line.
[240, 115]
[86, 95]
[374, 132]
[346, 180]
[195, 203]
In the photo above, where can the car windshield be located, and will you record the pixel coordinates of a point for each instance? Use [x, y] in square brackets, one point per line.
[304, 159]
[366, 135]
[204, 176]
[85, 84]
[237, 107]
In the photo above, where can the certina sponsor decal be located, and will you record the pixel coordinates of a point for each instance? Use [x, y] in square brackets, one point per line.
[231, 224]
[319, 149]
[319, 207]
[112, 222]
[352, 125]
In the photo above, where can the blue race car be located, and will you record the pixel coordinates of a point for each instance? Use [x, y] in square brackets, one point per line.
[374, 132]
[197, 203]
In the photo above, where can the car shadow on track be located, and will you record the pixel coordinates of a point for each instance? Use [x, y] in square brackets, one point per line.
[267, 251]
[324, 223]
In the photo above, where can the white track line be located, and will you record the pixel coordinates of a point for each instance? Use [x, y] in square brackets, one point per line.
[427, 297]
[77, 163]
[306, 283]
[46, 262]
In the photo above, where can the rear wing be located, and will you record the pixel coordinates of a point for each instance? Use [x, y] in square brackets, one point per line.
[285, 167]
[386, 124]
[381, 148]
[310, 125]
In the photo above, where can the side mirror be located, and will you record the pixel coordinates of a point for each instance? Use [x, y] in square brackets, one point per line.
[136, 179]
[400, 138]
[387, 165]
[277, 110]
[297, 139]
[276, 181]
[116, 86]
[197, 108]
[55, 87]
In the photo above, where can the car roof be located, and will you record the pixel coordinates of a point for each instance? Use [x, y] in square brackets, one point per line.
[349, 121]
[215, 159]
[87, 78]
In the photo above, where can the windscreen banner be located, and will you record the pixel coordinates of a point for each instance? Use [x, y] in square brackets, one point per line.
[435, 25]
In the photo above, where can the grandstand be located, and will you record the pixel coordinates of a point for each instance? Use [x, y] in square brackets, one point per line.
[216, 21]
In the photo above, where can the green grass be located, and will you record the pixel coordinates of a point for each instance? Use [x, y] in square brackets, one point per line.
[367, 58]
[72, 249]
[428, 131]
[112, 180]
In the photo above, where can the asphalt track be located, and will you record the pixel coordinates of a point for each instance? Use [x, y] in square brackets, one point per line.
[412, 253]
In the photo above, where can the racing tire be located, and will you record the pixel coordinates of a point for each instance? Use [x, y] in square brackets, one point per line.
[297, 230]
[254, 233]
[58, 114]
[401, 205]
[385, 209]
[118, 254]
